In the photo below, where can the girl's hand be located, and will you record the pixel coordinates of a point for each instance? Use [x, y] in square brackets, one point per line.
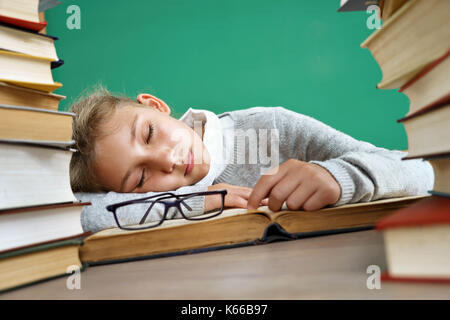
[299, 183]
[236, 197]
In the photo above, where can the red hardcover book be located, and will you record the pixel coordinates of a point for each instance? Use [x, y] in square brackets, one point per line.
[387, 277]
[26, 24]
[417, 241]
[23, 14]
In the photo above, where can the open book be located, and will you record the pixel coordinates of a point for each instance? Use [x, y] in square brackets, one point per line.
[234, 227]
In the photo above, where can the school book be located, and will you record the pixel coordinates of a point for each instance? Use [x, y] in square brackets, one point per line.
[19, 96]
[27, 71]
[21, 13]
[441, 168]
[33, 225]
[430, 85]
[417, 241]
[33, 174]
[234, 227]
[39, 125]
[428, 130]
[389, 7]
[27, 42]
[45, 261]
[417, 34]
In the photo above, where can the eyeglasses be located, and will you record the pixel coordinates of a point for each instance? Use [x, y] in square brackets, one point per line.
[133, 214]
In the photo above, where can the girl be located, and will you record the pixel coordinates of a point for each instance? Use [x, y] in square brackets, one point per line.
[128, 149]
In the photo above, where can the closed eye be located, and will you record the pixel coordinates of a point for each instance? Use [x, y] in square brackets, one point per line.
[141, 181]
[150, 133]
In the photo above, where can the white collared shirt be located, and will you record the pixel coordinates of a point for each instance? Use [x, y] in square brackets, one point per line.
[212, 139]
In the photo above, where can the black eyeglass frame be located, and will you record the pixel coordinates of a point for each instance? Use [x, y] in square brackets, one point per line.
[168, 204]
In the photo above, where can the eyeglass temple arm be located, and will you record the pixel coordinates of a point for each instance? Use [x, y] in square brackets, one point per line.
[147, 212]
[153, 203]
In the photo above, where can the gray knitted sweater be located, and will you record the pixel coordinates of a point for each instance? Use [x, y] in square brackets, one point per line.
[363, 171]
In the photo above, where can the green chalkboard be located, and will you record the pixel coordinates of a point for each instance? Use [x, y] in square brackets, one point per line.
[231, 54]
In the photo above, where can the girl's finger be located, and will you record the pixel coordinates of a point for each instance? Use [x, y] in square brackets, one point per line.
[281, 191]
[263, 187]
[301, 194]
[235, 201]
[240, 202]
[244, 192]
[315, 202]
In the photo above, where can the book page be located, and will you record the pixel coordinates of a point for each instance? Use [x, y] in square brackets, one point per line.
[360, 206]
[172, 223]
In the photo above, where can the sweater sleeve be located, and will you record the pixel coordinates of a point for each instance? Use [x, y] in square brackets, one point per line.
[95, 217]
[363, 171]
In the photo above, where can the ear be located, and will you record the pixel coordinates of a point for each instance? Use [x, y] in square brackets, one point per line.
[153, 102]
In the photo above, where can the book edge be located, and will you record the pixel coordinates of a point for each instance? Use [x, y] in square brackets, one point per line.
[171, 254]
[45, 87]
[385, 276]
[31, 25]
[426, 70]
[386, 223]
[265, 239]
[77, 239]
[83, 267]
[439, 194]
[428, 156]
[34, 32]
[44, 207]
[33, 91]
[24, 55]
[60, 145]
[437, 104]
[391, 20]
[34, 109]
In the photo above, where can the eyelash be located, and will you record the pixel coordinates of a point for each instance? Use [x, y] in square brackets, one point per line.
[150, 132]
[141, 182]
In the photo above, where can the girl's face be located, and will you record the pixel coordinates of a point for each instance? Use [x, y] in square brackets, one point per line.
[145, 149]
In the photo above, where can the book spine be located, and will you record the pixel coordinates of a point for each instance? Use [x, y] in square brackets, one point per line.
[69, 241]
[12, 26]
[82, 268]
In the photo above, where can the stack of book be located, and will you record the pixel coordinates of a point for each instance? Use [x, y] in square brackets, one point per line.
[413, 51]
[40, 227]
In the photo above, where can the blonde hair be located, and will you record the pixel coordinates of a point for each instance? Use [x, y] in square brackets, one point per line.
[90, 112]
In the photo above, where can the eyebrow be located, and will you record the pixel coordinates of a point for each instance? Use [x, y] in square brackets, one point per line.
[132, 138]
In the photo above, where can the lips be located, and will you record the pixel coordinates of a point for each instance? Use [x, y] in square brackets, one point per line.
[189, 163]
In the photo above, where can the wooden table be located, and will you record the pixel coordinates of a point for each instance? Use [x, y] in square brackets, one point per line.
[326, 267]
